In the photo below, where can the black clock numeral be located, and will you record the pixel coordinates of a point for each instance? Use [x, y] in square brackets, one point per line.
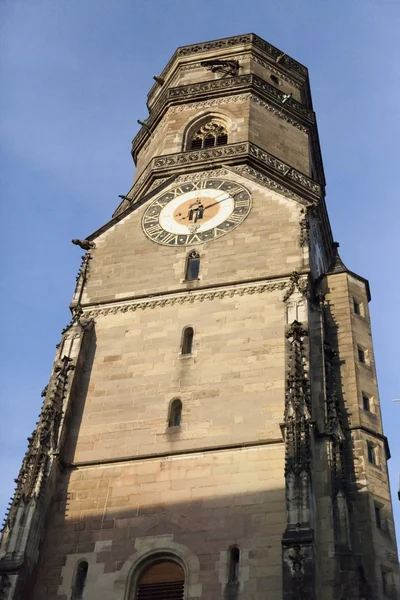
[155, 231]
[150, 219]
[239, 194]
[199, 185]
[242, 202]
[235, 218]
[194, 238]
[170, 238]
[218, 232]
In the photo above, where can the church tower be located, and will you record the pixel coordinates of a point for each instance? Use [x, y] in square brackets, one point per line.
[211, 428]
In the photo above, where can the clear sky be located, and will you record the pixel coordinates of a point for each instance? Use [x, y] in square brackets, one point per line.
[74, 76]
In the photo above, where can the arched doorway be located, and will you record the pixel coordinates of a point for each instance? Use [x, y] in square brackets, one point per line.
[161, 580]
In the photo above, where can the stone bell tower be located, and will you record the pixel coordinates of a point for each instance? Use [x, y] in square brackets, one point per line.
[211, 428]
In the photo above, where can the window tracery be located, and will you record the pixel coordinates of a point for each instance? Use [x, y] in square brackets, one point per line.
[209, 135]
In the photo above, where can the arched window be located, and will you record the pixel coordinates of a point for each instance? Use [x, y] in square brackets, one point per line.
[162, 580]
[175, 413]
[187, 340]
[192, 266]
[80, 580]
[209, 135]
[234, 559]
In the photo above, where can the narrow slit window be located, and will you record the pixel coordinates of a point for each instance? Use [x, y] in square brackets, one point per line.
[175, 415]
[378, 518]
[371, 453]
[357, 307]
[366, 402]
[234, 560]
[80, 580]
[361, 356]
[187, 340]
[386, 582]
[192, 266]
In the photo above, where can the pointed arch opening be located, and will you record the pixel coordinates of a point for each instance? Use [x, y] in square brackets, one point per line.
[187, 341]
[163, 579]
[175, 413]
[207, 132]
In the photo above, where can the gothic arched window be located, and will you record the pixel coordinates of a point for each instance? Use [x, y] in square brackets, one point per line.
[80, 580]
[187, 340]
[192, 266]
[209, 135]
[175, 413]
[162, 580]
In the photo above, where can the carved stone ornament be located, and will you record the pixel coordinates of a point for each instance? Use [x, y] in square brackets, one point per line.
[210, 103]
[299, 283]
[241, 149]
[285, 103]
[268, 182]
[240, 40]
[43, 441]
[298, 571]
[183, 298]
[304, 230]
[280, 113]
[277, 72]
[84, 244]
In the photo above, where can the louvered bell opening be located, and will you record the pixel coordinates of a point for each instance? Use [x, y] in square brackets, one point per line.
[222, 139]
[196, 144]
[209, 142]
[172, 590]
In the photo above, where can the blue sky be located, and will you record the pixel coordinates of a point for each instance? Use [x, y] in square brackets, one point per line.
[74, 76]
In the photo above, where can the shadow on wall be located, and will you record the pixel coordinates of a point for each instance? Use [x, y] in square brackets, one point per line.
[226, 543]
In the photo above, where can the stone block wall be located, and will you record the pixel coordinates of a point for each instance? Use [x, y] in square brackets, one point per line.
[204, 502]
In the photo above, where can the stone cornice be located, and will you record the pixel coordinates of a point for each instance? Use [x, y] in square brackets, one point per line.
[190, 296]
[231, 154]
[268, 50]
[217, 87]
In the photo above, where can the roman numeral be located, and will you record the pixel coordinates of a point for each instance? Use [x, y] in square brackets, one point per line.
[149, 219]
[155, 230]
[242, 202]
[161, 203]
[193, 238]
[218, 232]
[177, 192]
[235, 218]
[170, 238]
[199, 185]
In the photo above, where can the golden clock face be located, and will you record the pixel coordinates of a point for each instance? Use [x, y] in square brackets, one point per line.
[196, 212]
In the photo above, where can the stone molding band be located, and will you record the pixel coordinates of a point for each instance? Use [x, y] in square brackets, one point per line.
[269, 51]
[239, 150]
[214, 87]
[191, 296]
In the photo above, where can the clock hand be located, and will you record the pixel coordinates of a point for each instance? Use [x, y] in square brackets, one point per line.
[215, 203]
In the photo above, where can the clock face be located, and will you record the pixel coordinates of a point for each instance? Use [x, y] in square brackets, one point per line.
[197, 212]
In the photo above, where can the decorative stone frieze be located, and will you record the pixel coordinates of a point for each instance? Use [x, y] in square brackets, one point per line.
[285, 103]
[210, 103]
[224, 153]
[183, 298]
[280, 113]
[276, 72]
